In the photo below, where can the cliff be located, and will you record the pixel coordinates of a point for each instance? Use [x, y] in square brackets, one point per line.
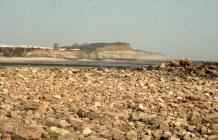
[107, 51]
[117, 50]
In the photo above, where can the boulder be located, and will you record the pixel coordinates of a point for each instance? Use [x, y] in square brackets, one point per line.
[185, 62]
[162, 66]
[175, 63]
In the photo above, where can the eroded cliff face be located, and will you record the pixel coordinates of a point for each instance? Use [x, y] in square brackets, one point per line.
[121, 54]
[117, 50]
[123, 51]
[112, 51]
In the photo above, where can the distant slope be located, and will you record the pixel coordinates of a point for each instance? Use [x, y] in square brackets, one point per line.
[145, 55]
[35, 51]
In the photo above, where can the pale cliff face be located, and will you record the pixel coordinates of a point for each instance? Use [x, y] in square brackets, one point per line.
[128, 54]
[115, 51]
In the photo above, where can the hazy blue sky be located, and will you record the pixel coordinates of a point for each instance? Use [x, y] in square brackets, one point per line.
[177, 28]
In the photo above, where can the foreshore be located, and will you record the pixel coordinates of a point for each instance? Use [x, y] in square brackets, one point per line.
[165, 102]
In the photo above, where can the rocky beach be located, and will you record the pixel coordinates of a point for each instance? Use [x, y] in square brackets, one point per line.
[175, 101]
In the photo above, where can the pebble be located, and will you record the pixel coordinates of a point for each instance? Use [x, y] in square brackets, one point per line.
[87, 131]
[75, 122]
[213, 137]
[131, 135]
[57, 131]
[141, 107]
[212, 118]
[117, 134]
[64, 123]
[167, 134]
[70, 136]
[146, 137]
[106, 134]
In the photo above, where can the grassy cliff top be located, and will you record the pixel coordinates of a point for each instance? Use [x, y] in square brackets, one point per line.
[102, 46]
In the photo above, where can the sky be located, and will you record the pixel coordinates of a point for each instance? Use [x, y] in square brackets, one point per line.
[176, 28]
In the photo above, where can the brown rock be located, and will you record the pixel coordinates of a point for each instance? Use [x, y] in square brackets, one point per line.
[214, 128]
[149, 119]
[131, 135]
[82, 113]
[180, 122]
[5, 136]
[126, 127]
[56, 132]
[194, 97]
[132, 105]
[204, 130]
[140, 107]
[174, 138]
[213, 137]
[5, 107]
[92, 115]
[117, 134]
[134, 116]
[92, 137]
[187, 136]
[167, 134]
[175, 63]
[27, 133]
[64, 123]
[42, 108]
[52, 122]
[86, 131]
[158, 134]
[75, 122]
[123, 114]
[212, 118]
[162, 65]
[109, 119]
[70, 136]
[195, 119]
[47, 97]
[185, 62]
[164, 127]
[146, 137]
[106, 134]
[93, 127]
[139, 100]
